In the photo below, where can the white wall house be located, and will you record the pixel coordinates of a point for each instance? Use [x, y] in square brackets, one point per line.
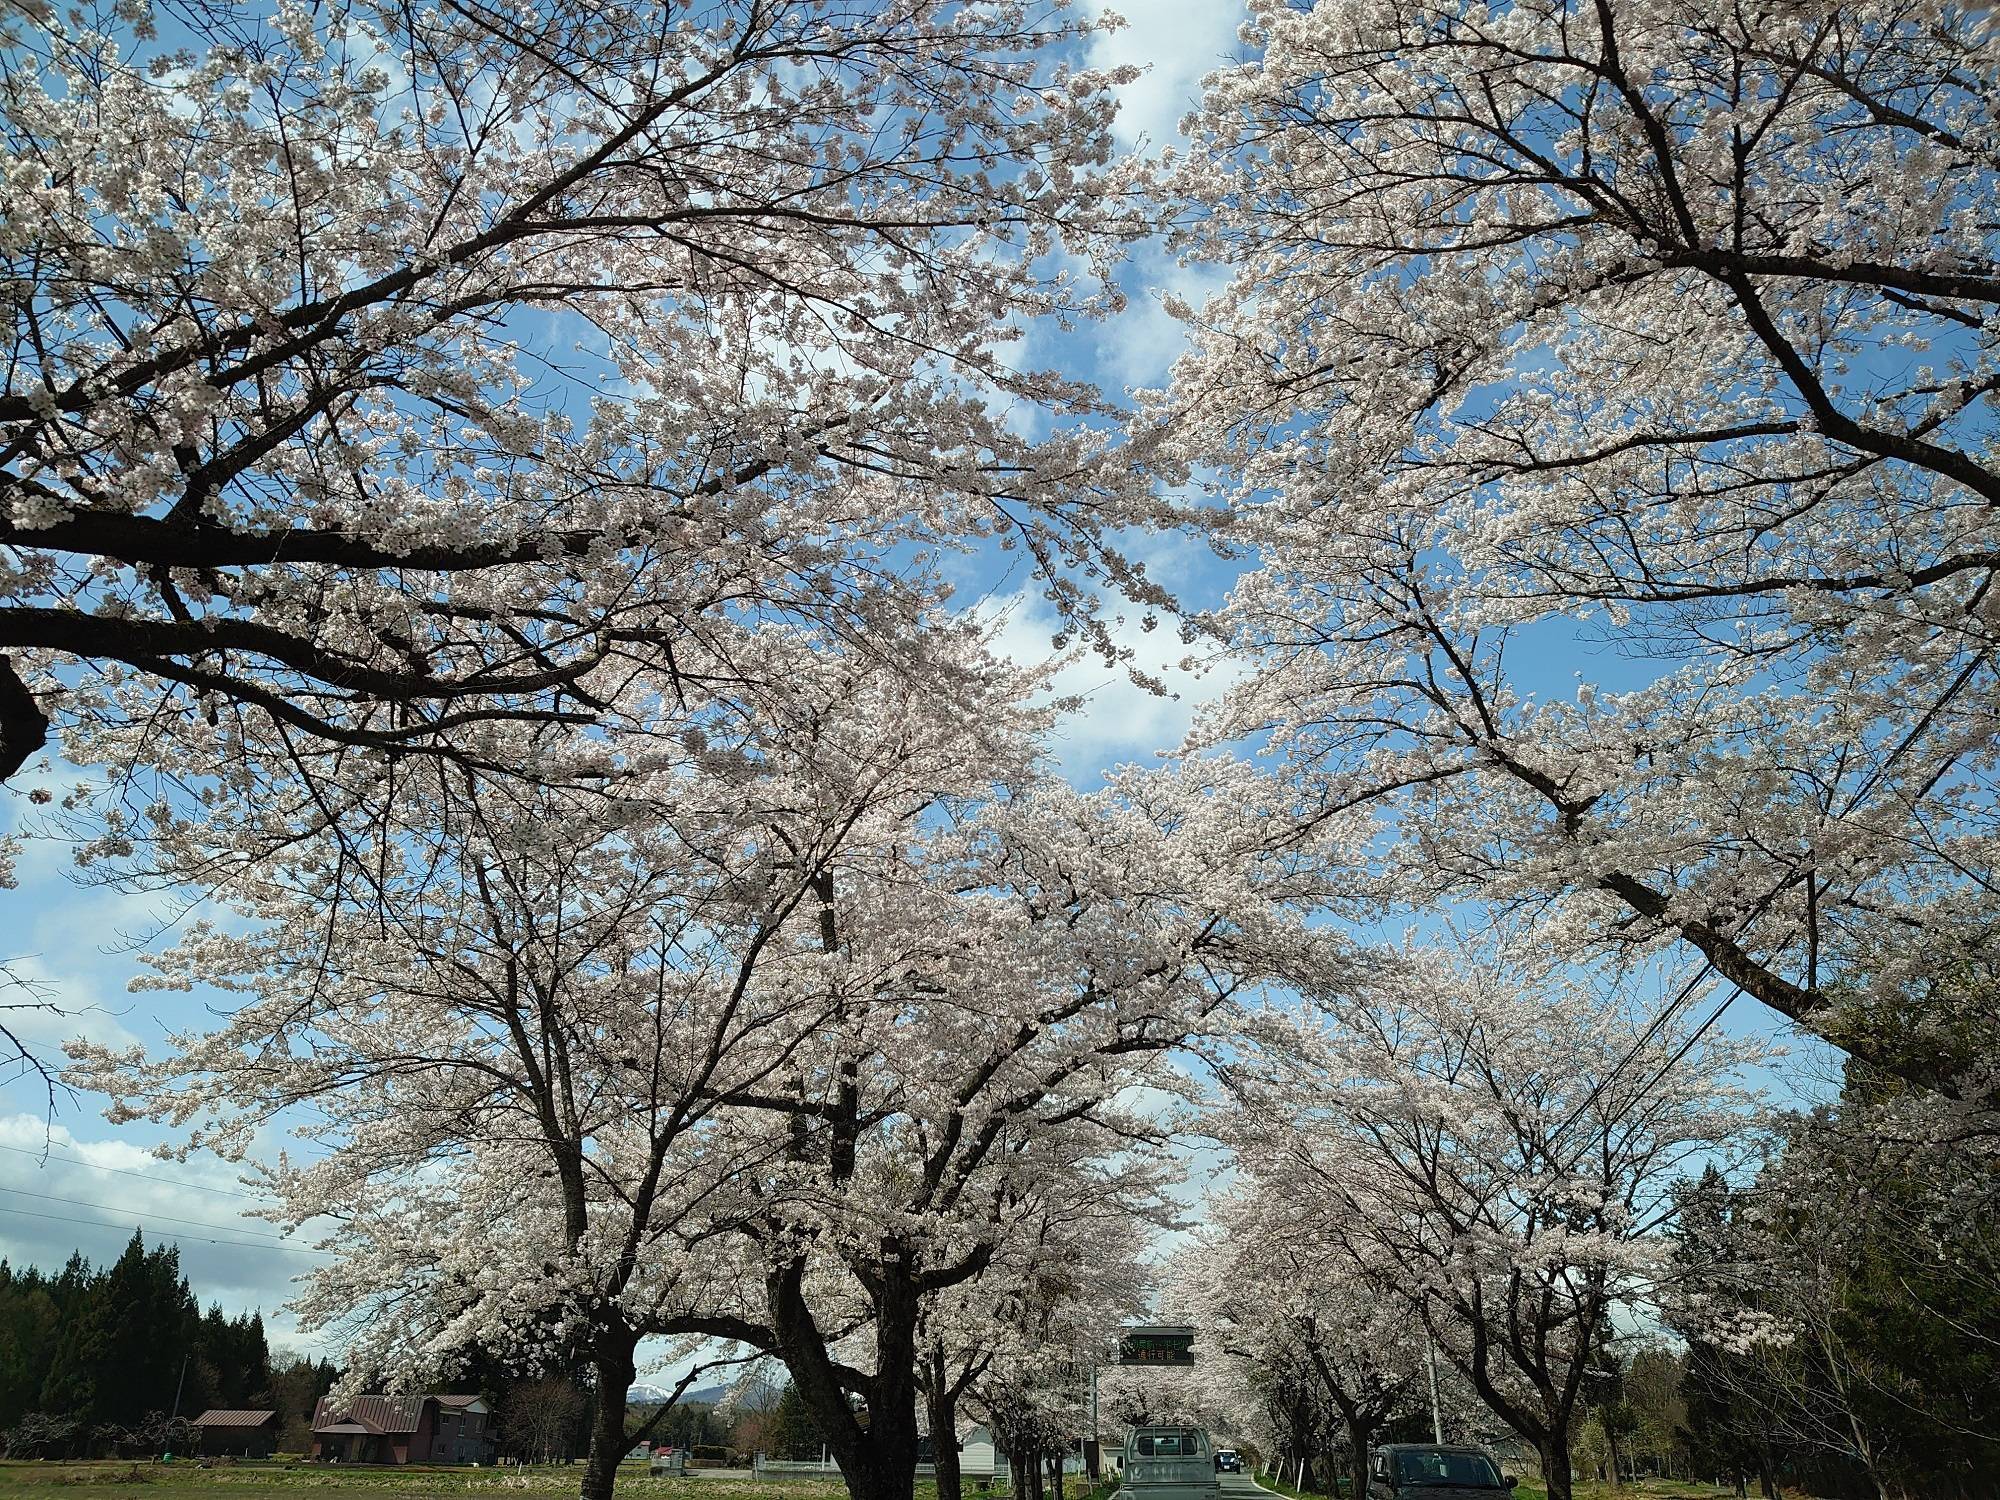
[979, 1455]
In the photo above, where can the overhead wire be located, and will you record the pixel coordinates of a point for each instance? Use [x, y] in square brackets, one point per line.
[200, 1187]
[141, 1222]
[1645, 1040]
[116, 1208]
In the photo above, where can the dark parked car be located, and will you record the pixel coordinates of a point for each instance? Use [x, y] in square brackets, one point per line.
[1407, 1471]
[1228, 1461]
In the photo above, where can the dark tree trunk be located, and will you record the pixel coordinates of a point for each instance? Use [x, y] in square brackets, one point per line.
[887, 1457]
[1357, 1461]
[943, 1409]
[24, 728]
[1556, 1472]
[878, 1461]
[612, 1365]
[883, 1464]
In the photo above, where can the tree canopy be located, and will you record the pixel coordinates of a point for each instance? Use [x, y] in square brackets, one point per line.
[488, 496]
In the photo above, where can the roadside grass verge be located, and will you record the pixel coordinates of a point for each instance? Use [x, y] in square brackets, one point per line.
[1531, 1489]
[125, 1480]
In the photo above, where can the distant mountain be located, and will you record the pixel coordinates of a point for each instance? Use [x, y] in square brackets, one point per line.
[643, 1394]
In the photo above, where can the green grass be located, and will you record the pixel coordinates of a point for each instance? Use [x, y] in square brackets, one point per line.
[109, 1480]
[1282, 1488]
[1532, 1489]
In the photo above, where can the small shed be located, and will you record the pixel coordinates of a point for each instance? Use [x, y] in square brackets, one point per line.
[237, 1434]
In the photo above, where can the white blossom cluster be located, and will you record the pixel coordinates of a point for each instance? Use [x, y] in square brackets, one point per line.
[478, 482]
[1653, 340]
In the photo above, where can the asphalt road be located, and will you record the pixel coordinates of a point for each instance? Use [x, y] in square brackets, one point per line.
[1241, 1486]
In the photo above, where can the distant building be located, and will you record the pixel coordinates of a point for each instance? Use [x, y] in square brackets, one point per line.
[402, 1430]
[979, 1455]
[237, 1434]
[1111, 1453]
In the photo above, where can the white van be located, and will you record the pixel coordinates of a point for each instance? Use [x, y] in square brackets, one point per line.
[1169, 1463]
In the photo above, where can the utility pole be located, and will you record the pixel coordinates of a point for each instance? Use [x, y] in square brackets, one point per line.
[1437, 1413]
[1093, 1457]
[181, 1385]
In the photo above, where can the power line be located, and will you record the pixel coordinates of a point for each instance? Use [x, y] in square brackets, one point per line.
[115, 1208]
[25, 1213]
[1632, 1052]
[1673, 1062]
[200, 1187]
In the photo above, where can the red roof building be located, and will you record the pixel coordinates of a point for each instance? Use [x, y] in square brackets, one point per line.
[402, 1430]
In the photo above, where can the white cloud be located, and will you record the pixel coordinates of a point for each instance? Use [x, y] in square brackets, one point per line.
[60, 1194]
[1120, 721]
[1139, 346]
[66, 955]
[73, 944]
[1178, 43]
[51, 1004]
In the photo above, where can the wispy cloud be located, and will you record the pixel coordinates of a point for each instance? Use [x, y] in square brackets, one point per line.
[1119, 720]
[1177, 43]
[60, 1193]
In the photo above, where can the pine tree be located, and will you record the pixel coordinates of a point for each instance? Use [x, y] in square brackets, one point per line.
[29, 1322]
[1730, 1436]
[796, 1434]
[1918, 1313]
[120, 1356]
[296, 1386]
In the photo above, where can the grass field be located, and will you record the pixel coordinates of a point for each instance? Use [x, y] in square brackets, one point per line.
[1643, 1489]
[107, 1480]
[1586, 1489]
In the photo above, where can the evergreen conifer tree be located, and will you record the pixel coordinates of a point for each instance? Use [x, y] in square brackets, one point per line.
[120, 1356]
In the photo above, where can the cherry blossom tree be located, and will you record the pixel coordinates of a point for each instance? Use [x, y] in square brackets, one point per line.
[1207, 1394]
[1054, 1316]
[516, 1030]
[1026, 971]
[955, 1350]
[1274, 1299]
[1494, 1149]
[381, 372]
[1035, 1413]
[762, 1048]
[1655, 337]
[1239, 1393]
[1049, 1303]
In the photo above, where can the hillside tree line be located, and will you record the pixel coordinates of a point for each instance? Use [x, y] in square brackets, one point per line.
[100, 1358]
